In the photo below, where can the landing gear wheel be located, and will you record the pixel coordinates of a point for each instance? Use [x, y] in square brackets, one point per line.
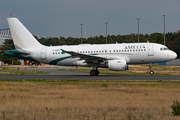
[94, 72]
[151, 72]
[97, 72]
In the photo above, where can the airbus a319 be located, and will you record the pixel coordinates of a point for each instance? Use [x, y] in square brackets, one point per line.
[115, 57]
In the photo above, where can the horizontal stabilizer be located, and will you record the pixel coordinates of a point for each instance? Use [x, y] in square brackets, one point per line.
[18, 52]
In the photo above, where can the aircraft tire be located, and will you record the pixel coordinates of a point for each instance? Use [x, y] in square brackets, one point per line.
[97, 72]
[94, 72]
[151, 72]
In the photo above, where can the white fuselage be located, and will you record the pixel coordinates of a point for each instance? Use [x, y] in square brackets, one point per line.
[133, 53]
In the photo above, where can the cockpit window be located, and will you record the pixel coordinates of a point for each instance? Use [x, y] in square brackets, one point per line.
[164, 48]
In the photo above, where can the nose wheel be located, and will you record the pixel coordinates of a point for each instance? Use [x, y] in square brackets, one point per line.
[151, 71]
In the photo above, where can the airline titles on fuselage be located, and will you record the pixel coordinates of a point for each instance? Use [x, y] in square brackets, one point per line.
[135, 47]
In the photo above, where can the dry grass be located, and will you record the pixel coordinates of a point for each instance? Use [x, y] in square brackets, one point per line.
[88, 100]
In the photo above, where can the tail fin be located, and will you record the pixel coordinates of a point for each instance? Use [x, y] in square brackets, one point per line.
[22, 38]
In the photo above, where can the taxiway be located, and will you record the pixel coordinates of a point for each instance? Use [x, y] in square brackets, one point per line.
[55, 74]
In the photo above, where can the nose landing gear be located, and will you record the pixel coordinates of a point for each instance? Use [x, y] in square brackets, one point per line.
[151, 71]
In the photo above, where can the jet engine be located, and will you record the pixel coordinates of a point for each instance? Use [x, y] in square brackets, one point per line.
[118, 65]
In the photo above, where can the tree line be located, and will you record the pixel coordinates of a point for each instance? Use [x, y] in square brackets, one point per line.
[172, 42]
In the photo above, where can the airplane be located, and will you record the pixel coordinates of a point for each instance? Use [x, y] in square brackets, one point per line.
[116, 57]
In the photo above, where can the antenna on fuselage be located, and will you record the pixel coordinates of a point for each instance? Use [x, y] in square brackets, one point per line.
[18, 16]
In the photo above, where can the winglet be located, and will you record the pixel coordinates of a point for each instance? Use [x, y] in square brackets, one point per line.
[63, 51]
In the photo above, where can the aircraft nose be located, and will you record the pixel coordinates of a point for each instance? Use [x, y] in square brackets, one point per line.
[173, 55]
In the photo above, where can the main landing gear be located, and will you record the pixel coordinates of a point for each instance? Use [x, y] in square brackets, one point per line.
[151, 71]
[94, 72]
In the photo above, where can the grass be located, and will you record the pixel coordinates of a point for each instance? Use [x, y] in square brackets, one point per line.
[98, 100]
[140, 70]
[13, 71]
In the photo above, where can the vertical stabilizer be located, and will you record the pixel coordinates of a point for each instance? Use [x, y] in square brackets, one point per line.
[22, 38]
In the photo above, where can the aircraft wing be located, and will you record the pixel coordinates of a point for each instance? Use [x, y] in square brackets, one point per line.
[87, 57]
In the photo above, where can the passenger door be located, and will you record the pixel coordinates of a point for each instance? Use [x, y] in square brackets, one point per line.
[150, 50]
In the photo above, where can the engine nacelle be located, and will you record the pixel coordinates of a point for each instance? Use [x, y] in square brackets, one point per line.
[118, 65]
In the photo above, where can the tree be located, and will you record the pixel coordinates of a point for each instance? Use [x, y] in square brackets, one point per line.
[7, 45]
[157, 38]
